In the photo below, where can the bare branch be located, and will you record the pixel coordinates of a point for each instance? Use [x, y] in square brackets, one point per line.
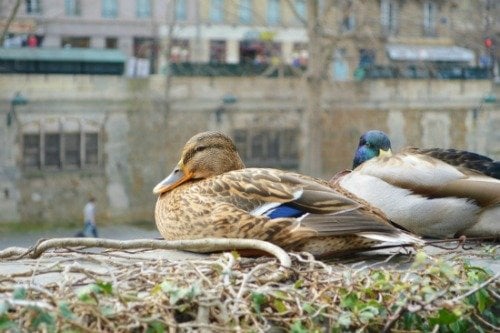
[479, 287]
[198, 245]
[296, 12]
[11, 18]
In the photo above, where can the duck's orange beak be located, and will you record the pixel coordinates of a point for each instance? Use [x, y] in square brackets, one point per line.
[176, 177]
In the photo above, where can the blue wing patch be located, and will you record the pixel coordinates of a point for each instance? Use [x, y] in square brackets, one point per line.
[284, 211]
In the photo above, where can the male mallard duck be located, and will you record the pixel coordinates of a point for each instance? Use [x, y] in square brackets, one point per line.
[374, 143]
[431, 192]
[211, 194]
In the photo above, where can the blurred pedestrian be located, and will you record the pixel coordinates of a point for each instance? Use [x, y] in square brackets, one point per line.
[90, 227]
[32, 41]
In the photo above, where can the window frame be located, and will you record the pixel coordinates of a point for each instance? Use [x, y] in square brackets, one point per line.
[217, 11]
[348, 20]
[389, 17]
[273, 13]
[276, 148]
[38, 156]
[143, 9]
[301, 11]
[180, 11]
[430, 13]
[33, 7]
[109, 9]
[72, 8]
[245, 12]
[33, 149]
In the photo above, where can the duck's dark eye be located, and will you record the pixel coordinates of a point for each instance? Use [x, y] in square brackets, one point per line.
[200, 148]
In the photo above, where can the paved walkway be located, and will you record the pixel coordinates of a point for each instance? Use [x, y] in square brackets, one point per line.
[121, 232]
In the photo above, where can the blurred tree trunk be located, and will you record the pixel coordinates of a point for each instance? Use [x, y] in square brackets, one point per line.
[311, 159]
[167, 51]
[11, 18]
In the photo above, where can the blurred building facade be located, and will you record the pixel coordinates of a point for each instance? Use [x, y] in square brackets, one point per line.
[414, 35]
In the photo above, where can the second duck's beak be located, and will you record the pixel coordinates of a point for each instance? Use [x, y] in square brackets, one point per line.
[384, 153]
[176, 177]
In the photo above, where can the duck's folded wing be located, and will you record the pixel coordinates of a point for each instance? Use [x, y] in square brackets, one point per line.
[357, 222]
[485, 191]
[462, 159]
[271, 187]
[432, 178]
[410, 170]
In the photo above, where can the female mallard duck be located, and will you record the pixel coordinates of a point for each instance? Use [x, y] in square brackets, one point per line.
[211, 194]
[431, 192]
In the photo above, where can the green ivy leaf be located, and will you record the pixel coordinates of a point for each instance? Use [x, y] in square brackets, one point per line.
[447, 270]
[367, 314]
[345, 319]
[298, 328]
[156, 327]
[349, 301]
[444, 317]
[307, 307]
[411, 320]
[236, 255]
[105, 287]
[420, 258]
[477, 274]
[281, 295]
[19, 293]
[87, 293]
[7, 324]
[156, 289]
[4, 307]
[107, 311]
[177, 293]
[460, 326]
[65, 311]
[483, 299]
[298, 284]
[280, 306]
[491, 314]
[41, 318]
[258, 300]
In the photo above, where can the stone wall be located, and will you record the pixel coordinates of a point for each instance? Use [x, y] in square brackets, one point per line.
[141, 136]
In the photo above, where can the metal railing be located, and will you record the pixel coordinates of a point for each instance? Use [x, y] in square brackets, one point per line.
[430, 72]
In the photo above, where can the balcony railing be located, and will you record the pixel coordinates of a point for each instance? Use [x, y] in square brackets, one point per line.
[440, 72]
[217, 69]
[431, 72]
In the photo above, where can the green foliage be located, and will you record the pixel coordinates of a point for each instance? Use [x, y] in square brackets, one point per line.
[43, 319]
[156, 327]
[19, 293]
[258, 300]
[65, 311]
[178, 294]
[89, 293]
[6, 324]
[297, 327]
[430, 293]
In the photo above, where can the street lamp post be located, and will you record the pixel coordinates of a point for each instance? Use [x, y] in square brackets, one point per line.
[18, 99]
[227, 100]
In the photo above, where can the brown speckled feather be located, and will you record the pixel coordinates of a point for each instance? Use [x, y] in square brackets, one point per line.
[231, 203]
